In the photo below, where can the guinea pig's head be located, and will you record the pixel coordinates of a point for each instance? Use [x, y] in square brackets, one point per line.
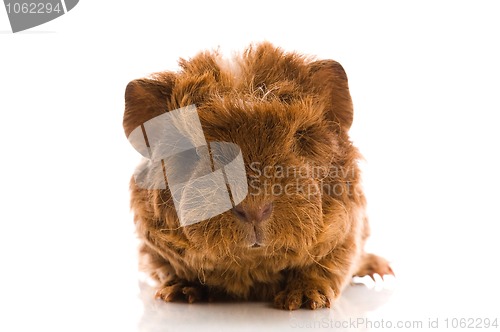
[289, 115]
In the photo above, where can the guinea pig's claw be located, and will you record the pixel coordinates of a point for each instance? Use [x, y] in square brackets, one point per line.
[180, 291]
[373, 264]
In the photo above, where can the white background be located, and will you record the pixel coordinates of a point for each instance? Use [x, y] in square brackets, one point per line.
[425, 80]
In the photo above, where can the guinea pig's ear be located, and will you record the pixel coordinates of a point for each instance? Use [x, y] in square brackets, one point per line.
[330, 81]
[146, 98]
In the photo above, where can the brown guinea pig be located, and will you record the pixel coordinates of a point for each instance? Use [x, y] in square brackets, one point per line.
[297, 236]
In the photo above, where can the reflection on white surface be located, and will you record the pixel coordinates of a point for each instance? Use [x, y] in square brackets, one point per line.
[356, 301]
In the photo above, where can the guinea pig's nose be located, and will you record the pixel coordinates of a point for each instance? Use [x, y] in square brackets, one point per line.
[253, 214]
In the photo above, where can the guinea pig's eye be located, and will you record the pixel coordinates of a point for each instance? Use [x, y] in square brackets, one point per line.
[310, 140]
[301, 135]
[304, 137]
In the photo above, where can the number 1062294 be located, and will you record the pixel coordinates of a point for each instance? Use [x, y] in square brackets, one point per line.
[33, 8]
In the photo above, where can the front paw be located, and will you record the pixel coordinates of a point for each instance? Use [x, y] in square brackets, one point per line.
[312, 295]
[372, 264]
[181, 290]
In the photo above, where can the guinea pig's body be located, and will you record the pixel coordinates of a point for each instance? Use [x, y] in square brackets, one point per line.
[298, 236]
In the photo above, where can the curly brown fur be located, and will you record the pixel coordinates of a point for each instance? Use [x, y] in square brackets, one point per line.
[285, 111]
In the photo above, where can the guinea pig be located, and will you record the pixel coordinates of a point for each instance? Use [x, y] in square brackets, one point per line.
[297, 236]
